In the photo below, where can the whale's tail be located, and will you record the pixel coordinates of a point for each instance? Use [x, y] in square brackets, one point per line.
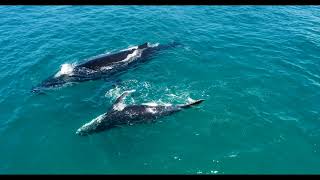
[196, 102]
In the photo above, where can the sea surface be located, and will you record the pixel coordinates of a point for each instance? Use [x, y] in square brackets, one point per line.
[257, 67]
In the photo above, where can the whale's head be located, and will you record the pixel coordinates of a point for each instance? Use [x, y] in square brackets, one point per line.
[96, 125]
[64, 75]
[87, 129]
[49, 83]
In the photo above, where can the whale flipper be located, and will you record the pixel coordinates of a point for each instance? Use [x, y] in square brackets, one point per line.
[120, 99]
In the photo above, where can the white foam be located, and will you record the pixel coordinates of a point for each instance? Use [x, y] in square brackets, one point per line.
[66, 69]
[146, 85]
[130, 48]
[190, 100]
[115, 92]
[172, 95]
[153, 45]
[136, 47]
[233, 155]
[150, 104]
[167, 104]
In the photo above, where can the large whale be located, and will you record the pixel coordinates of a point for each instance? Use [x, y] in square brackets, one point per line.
[104, 67]
[120, 114]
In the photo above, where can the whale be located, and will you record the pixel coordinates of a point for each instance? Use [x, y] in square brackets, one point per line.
[105, 67]
[119, 115]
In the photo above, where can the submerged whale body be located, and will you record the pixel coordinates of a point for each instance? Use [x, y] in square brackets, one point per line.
[103, 67]
[120, 114]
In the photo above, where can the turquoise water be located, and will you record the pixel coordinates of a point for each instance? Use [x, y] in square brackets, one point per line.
[258, 67]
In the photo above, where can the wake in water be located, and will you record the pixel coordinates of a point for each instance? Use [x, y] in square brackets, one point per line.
[163, 96]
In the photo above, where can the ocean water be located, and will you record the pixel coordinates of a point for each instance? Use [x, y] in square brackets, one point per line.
[257, 67]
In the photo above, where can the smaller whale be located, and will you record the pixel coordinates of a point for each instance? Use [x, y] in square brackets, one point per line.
[120, 114]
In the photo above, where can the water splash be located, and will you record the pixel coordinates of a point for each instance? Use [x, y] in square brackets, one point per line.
[66, 69]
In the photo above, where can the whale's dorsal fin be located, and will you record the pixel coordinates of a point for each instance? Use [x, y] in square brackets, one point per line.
[118, 104]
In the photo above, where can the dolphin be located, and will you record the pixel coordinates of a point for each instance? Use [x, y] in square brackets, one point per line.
[120, 114]
[104, 67]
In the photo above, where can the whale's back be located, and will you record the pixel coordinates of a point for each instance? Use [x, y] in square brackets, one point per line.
[107, 60]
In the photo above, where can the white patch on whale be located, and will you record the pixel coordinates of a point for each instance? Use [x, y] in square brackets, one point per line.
[151, 110]
[150, 104]
[98, 119]
[106, 68]
[66, 69]
[134, 55]
[154, 104]
[119, 107]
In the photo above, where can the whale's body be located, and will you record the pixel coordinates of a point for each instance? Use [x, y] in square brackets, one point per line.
[120, 115]
[104, 67]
